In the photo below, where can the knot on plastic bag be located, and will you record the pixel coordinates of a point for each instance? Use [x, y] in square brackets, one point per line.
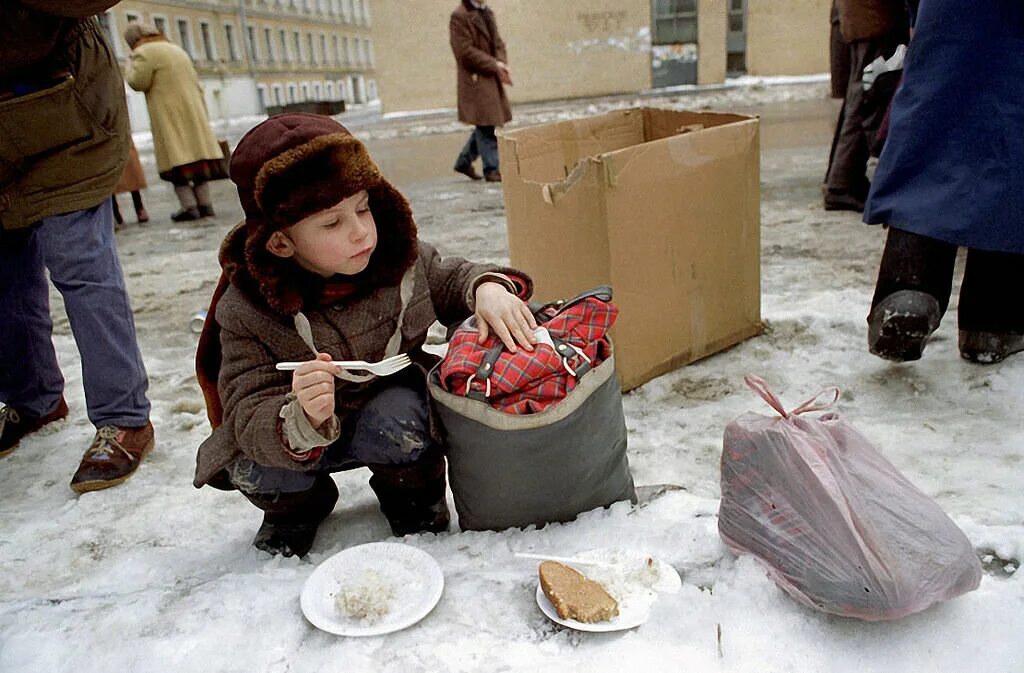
[759, 386]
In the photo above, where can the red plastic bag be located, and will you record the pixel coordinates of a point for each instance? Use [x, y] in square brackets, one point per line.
[836, 524]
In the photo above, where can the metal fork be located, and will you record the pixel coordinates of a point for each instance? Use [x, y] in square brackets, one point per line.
[385, 367]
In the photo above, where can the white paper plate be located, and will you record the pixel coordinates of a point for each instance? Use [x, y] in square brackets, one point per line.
[632, 613]
[413, 576]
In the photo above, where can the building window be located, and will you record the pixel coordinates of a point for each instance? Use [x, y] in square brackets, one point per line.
[369, 51]
[270, 45]
[209, 51]
[310, 51]
[304, 92]
[297, 39]
[283, 36]
[278, 95]
[323, 49]
[317, 92]
[329, 87]
[229, 36]
[160, 23]
[346, 11]
[291, 93]
[132, 17]
[254, 53]
[185, 35]
[264, 96]
[336, 50]
[347, 50]
[675, 21]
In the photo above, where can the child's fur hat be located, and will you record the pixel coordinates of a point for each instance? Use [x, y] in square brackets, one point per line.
[289, 167]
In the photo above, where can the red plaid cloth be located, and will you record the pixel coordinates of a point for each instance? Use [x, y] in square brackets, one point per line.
[525, 382]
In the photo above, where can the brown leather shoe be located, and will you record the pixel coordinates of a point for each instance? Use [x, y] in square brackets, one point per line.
[493, 176]
[112, 457]
[467, 170]
[14, 425]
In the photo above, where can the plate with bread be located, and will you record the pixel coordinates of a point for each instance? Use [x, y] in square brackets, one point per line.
[372, 589]
[603, 590]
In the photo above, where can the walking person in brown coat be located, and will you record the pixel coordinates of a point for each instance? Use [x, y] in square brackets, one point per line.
[132, 180]
[869, 29]
[483, 74]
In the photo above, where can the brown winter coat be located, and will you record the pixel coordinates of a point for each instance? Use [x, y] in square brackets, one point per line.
[64, 144]
[477, 48]
[254, 338]
[174, 96]
[865, 19]
[134, 178]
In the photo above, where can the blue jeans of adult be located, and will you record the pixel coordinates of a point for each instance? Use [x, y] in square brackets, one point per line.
[484, 144]
[79, 251]
[391, 429]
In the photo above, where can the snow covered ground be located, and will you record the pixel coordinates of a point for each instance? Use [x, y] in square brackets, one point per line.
[156, 576]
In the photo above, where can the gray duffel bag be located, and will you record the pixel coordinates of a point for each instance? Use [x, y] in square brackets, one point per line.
[509, 470]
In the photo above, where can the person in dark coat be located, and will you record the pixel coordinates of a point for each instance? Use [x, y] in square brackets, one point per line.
[483, 74]
[63, 145]
[951, 175]
[328, 256]
[868, 29]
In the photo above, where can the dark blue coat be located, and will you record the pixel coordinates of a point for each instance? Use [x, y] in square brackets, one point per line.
[953, 164]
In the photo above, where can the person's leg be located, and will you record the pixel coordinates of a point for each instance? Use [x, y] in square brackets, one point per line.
[140, 210]
[391, 436]
[31, 384]
[915, 278]
[118, 220]
[187, 199]
[79, 250]
[487, 143]
[294, 504]
[846, 182]
[469, 153]
[202, 192]
[990, 310]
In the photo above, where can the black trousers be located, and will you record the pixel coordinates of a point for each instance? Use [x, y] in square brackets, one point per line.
[991, 292]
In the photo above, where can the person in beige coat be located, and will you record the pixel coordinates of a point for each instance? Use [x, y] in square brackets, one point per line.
[187, 153]
[483, 74]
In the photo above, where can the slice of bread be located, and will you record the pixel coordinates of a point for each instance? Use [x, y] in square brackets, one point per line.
[574, 596]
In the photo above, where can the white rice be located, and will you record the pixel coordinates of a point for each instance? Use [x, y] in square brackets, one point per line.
[367, 598]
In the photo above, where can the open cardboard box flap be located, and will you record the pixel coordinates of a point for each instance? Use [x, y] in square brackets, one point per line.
[663, 205]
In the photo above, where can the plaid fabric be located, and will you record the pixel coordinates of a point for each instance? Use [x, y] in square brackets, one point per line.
[525, 383]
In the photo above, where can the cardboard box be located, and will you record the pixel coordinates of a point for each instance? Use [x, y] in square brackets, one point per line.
[664, 206]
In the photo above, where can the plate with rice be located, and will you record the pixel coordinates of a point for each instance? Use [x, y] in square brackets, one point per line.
[372, 589]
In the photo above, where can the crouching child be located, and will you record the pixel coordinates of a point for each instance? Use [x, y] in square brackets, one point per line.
[328, 260]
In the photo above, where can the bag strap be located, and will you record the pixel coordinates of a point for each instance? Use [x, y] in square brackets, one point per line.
[602, 292]
[759, 386]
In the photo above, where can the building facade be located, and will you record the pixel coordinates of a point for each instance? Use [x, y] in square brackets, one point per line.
[252, 54]
[576, 48]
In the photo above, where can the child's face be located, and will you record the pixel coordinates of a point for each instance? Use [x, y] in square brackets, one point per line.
[339, 239]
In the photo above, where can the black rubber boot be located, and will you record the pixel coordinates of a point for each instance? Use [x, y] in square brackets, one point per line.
[915, 278]
[290, 520]
[412, 496]
[991, 307]
[899, 326]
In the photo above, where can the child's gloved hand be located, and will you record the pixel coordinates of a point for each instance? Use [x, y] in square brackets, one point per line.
[313, 385]
[499, 310]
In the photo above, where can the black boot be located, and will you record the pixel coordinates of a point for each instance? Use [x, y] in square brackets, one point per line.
[412, 496]
[290, 520]
[915, 278]
[991, 306]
